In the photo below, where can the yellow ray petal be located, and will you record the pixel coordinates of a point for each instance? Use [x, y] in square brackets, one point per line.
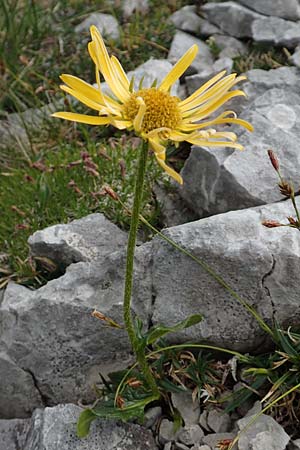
[83, 118]
[120, 71]
[105, 66]
[138, 120]
[225, 134]
[211, 106]
[205, 143]
[202, 88]
[230, 120]
[121, 124]
[83, 99]
[86, 89]
[179, 68]
[214, 92]
[158, 148]
[169, 171]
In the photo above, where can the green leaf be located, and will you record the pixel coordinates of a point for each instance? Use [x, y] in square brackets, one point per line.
[178, 420]
[84, 422]
[158, 331]
[168, 386]
[132, 410]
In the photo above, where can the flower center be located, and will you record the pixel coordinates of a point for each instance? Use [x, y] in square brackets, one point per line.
[161, 109]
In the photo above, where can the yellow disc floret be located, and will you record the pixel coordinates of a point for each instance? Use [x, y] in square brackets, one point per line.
[161, 109]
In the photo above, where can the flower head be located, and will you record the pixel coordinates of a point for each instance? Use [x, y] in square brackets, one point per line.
[153, 113]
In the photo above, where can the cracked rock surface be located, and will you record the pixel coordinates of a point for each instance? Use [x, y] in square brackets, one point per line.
[86, 239]
[55, 428]
[260, 264]
[52, 347]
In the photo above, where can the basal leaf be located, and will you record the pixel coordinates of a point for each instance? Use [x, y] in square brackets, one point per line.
[158, 331]
[84, 422]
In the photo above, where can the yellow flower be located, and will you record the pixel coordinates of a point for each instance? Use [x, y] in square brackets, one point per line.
[153, 113]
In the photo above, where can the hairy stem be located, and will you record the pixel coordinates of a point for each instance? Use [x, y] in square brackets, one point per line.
[138, 193]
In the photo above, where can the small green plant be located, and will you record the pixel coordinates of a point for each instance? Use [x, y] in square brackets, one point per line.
[261, 57]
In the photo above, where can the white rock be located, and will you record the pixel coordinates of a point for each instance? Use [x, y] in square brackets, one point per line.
[131, 6]
[232, 18]
[230, 47]
[186, 19]
[13, 433]
[50, 333]
[276, 31]
[191, 434]
[218, 421]
[189, 410]
[295, 58]
[55, 428]
[260, 264]
[213, 439]
[106, 24]
[167, 432]
[264, 433]
[287, 9]
[92, 237]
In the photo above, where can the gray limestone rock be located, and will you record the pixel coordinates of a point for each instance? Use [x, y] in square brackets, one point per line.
[219, 180]
[287, 9]
[187, 19]
[203, 420]
[208, 29]
[167, 432]
[151, 416]
[181, 43]
[264, 433]
[214, 439]
[260, 264]
[55, 428]
[296, 444]
[18, 392]
[51, 334]
[256, 408]
[191, 434]
[92, 237]
[13, 433]
[173, 210]
[229, 46]
[131, 6]
[232, 18]
[189, 410]
[223, 63]
[276, 31]
[200, 447]
[218, 421]
[106, 24]
[295, 58]
[180, 446]
[259, 81]
[14, 128]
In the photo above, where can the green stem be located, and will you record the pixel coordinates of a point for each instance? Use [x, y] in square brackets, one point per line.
[295, 207]
[138, 193]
